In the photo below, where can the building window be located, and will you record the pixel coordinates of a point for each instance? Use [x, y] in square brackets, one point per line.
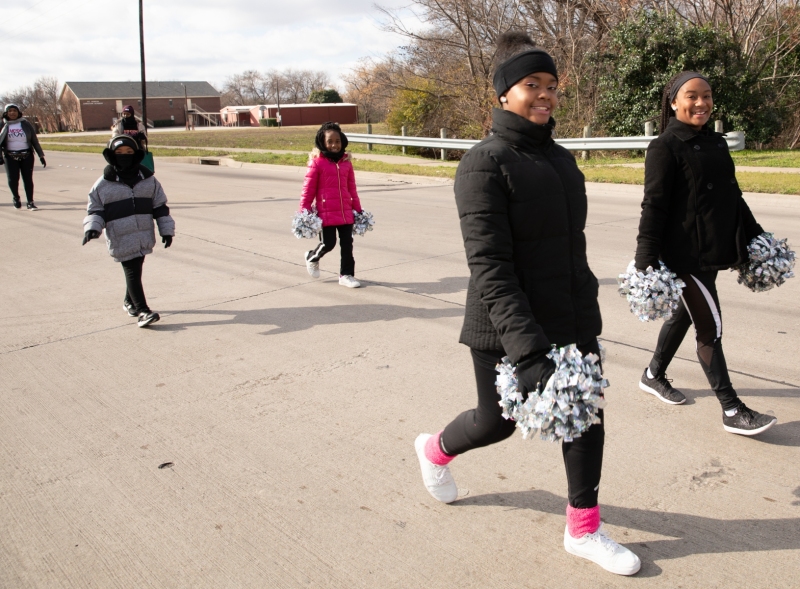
[170, 102]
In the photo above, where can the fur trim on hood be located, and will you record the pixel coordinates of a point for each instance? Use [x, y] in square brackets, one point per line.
[315, 153]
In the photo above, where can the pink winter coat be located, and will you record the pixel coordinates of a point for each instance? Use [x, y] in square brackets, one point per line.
[333, 186]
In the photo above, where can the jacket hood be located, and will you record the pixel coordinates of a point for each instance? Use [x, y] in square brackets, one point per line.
[110, 173]
[520, 131]
[315, 153]
[12, 105]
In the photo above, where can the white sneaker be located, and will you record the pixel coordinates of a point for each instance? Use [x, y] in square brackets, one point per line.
[437, 479]
[602, 550]
[349, 281]
[312, 267]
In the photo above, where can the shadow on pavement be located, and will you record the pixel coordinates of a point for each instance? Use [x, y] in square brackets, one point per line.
[449, 285]
[690, 534]
[293, 319]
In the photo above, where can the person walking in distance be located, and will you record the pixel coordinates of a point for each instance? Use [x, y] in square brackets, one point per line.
[125, 201]
[696, 221]
[18, 141]
[522, 205]
[128, 125]
[331, 183]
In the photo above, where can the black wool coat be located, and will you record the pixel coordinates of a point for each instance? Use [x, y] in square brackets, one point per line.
[693, 215]
[522, 204]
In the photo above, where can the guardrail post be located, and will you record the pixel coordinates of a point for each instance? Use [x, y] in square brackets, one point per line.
[443, 135]
[369, 132]
[649, 129]
[587, 132]
[403, 133]
[718, 127]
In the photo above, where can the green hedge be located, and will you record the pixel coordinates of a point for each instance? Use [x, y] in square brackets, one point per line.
[164, 123]
[268, 122]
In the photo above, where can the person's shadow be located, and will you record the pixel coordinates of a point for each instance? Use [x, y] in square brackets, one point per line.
[293, 319]
[688, 534]
[449, 285]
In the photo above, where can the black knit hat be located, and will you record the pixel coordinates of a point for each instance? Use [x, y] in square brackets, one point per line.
[122, 141]
[518, 66]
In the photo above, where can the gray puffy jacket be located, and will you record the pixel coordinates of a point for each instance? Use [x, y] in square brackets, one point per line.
[127, 214]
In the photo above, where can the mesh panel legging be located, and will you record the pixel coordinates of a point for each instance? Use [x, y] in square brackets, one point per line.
[699, 305]
[484, 425]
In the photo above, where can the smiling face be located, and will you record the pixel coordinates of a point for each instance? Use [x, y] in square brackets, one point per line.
[694, 103]
[534, 97]
[333, 141]
[13, 113]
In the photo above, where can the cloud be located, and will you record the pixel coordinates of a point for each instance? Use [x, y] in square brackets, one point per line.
[95, 40]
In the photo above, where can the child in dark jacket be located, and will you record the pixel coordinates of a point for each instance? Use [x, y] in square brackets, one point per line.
[522, 204]
[331, 183]
[124, 201]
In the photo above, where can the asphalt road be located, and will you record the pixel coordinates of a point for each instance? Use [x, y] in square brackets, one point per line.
[261, 435]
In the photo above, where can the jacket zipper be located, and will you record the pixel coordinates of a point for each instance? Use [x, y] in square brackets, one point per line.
[341, 200]
[571, 258]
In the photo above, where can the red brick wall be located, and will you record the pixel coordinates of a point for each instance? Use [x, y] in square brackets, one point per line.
[316, 115]
[99, 114]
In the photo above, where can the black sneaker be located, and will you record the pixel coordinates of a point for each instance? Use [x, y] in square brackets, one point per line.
[32, 207]
[17, 204]
[147, 318]
[747, 422]
[128, 306]
[660, 387]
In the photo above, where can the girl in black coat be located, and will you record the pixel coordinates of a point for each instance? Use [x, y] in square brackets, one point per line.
[695, 220]
[522, 203]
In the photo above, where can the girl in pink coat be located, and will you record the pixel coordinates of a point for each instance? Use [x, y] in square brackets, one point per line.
[331, 183]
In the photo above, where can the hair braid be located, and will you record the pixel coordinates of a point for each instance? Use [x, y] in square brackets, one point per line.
[666, 106]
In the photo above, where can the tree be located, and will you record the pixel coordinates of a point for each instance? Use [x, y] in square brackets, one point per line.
[328, 95]
[254, 87]
[39, 102]
[645, 52]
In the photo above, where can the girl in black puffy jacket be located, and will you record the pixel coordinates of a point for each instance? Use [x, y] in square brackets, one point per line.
[695, 220]
[522, 204]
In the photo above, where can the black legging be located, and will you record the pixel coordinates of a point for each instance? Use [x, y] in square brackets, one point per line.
[699, 305]
[485, 425]
[327, 241]
[13, 170]
[134, 293]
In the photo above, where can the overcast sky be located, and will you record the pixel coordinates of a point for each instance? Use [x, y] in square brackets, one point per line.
[94, 40]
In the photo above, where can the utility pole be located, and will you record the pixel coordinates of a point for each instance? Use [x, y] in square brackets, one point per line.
[144, 82]
[278, 99]
[185, 106]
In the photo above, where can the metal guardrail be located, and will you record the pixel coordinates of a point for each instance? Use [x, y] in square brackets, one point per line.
[735, 140]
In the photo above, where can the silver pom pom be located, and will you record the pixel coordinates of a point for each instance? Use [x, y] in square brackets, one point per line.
[771, 263]
[652, 294]
[566, 407]
[306, 224]
[362, 222]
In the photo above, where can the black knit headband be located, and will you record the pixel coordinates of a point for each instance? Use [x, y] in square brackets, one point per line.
[517, 67]
[681, 80]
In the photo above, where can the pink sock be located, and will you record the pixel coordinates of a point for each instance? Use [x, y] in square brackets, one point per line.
[582, 521]
[433, 451]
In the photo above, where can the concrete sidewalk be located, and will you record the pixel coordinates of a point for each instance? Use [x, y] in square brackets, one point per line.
[261, 434]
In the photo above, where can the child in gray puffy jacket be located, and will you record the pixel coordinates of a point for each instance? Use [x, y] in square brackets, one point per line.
[124, 201]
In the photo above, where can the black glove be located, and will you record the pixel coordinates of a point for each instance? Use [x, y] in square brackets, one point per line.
[534, 371]
[166, 240]
[89, 235]
[44, 163]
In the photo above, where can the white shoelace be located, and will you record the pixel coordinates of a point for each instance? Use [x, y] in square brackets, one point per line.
[607, 543]
[439, 472]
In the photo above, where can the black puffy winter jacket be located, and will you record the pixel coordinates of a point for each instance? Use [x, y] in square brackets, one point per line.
[693, 214]
[522, 203]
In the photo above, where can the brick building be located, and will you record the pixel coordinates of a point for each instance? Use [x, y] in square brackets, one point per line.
[291, 114]
[87, 106]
